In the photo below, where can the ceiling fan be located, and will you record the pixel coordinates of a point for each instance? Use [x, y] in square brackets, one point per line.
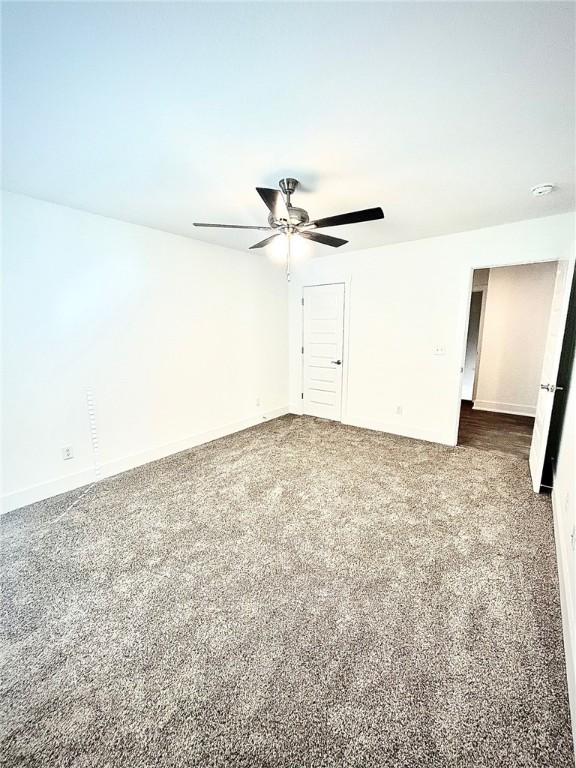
[286, 219]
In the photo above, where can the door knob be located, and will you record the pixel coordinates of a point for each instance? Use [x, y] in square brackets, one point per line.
[336, 362]
[551, 388]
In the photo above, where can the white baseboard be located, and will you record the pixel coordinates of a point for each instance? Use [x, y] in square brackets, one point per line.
[53, 487]
[567, 601]
[391, 428]
[403, 430]
[512, 408]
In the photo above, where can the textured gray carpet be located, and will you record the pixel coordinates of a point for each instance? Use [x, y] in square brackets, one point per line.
[299, 594]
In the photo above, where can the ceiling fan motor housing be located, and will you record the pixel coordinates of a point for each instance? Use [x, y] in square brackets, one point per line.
[298, 217]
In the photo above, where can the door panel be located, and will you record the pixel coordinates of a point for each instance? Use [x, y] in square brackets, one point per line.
[552, 352]
[323, 323]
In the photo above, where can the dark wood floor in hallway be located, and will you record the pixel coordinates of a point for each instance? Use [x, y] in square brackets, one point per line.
[502, 432]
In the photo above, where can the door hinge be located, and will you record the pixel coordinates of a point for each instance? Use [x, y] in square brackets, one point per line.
[302, 350]
[302, 300]
[302, 395]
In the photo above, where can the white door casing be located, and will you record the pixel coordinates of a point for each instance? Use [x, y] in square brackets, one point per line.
[553, 348]
[323, 344]
[472, 344]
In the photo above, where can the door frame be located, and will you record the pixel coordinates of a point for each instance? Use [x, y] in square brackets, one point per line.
[346, 280]
[483, 290]
[465, 316]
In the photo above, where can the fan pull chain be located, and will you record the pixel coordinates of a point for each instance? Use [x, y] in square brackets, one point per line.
[288, 257]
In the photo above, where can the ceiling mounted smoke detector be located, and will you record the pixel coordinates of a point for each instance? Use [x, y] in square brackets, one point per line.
[542, 189]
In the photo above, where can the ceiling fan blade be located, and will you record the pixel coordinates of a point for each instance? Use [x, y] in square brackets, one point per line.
[369, 214]
[335, 242]
[262, 243]
[229, 226]
[274, 201]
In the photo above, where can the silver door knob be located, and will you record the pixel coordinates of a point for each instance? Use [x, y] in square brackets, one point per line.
[336, 362]
[551, 388]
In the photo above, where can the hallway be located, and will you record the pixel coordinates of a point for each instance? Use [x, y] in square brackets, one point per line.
[500, 432]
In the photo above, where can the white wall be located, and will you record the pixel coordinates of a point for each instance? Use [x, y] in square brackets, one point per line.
[564, 503]
[175, 338]
[406, 300]
[514, 335]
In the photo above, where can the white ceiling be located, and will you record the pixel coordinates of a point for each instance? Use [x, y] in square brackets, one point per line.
[161, 114]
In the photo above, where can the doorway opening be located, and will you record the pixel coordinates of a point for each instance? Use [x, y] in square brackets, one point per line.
[508, 329]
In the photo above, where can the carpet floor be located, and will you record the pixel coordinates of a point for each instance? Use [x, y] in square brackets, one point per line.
[300, 594]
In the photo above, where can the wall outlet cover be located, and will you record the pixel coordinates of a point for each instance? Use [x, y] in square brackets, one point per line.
[67, 452]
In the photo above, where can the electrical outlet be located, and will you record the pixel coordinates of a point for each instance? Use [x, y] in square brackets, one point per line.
[67, 453]
[399, 410]
[439, 349]
[573, 538]
[257, 402]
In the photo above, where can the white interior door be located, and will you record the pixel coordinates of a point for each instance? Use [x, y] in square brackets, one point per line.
[323, 341]
[557, 322]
